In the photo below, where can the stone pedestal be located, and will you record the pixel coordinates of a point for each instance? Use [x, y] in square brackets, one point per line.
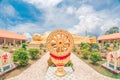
[50, 75]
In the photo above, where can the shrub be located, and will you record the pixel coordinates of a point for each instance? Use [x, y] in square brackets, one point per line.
[106, 46]
[20, 57]
[95, 57]
[85, 46]
[95, 50]
[34, 53]
[85, 53]
[24, 46]
[69, 64]
[95, 46]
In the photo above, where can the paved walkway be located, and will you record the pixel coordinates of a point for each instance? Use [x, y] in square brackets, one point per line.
[85, 72]
[38, 70]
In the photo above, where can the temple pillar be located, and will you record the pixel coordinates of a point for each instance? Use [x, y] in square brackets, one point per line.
[14, 42]
[4, 41]
[21, 42]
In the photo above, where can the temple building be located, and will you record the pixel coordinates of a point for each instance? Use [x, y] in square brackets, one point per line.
[80, 39]
[93, 39]
[11, 39]
[38, 39]
[109, 38]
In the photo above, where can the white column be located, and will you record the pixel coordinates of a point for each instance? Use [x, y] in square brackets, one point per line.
[21, 42]
[4, 41]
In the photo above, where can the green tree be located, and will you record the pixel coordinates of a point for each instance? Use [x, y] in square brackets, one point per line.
[85, 46]
[95, 57]
[24, 46]
[95, 46]
[112, 30]
[85, 53]
[107, 46]
[34, 53]
[20, 57]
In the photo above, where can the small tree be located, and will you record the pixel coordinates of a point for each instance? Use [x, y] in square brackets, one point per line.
[24, 46]
[20, 57]
[95, 46]
[85, 46]
[95, 57]
[34, 53]
[85, 53]
[107, 46]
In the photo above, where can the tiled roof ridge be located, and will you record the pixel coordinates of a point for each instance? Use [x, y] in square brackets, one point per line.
[9, 34]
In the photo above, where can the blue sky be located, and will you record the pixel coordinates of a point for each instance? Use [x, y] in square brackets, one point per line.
[76, 16]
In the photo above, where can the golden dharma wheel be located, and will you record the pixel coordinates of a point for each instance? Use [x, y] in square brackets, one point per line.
[60, 43]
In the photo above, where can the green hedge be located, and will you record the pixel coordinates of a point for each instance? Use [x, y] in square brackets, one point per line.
[20, 57]
[95, 57]
[33, 53]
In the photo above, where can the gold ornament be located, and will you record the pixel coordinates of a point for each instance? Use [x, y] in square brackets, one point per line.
[60, 43]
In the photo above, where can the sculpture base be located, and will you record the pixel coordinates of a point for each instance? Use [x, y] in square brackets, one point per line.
[60, 72]
[50, 74]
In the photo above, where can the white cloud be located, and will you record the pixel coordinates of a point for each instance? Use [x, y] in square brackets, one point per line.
[71, 10]
[27, 28]
[55, 17]
[92, 21]
[77, 21]
[59, 18]
[43, 3]
[28, 35]
[7, 10]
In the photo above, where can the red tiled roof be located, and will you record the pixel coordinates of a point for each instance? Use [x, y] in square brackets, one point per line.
[109, 37]
[11, 35]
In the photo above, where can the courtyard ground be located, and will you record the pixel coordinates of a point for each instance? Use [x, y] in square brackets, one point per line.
[82, 71]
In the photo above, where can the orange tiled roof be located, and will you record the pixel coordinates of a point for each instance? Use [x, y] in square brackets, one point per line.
[11, 35]
[109, 37]
[93, 39]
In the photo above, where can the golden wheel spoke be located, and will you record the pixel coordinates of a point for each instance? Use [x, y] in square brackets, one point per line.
[60, 42]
